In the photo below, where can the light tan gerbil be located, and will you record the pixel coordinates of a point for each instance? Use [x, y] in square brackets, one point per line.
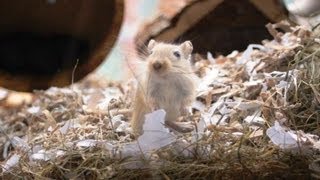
[168, 83]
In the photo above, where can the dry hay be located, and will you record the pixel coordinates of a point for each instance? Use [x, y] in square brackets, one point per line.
[81, 132]
[306, 115]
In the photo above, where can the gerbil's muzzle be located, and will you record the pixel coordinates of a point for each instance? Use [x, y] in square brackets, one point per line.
[157, 66]
[160, 66]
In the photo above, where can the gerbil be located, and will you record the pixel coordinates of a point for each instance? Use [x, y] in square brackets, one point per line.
[168, 83]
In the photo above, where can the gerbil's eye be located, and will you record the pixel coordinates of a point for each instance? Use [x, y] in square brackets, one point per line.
[176, 54]
[151, 52]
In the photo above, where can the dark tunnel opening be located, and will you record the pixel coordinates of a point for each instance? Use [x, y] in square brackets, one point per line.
[40, 54]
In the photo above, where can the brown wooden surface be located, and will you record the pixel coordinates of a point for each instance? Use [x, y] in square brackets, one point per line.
[96, 22]
[213, 25]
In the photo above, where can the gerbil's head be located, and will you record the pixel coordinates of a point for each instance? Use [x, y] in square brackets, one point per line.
[166, 58]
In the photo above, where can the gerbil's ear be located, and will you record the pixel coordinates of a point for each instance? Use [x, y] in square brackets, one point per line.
[187, 48]
[151, 44]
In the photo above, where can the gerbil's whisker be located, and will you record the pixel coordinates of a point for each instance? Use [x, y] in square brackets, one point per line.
[179, 71]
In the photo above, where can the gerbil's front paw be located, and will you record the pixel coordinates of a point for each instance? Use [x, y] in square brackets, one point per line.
[184, 111]
[154, 108]
[153, 105]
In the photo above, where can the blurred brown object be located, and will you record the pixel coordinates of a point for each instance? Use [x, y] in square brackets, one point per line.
[211, 25]
[42, 42]
[11, 99]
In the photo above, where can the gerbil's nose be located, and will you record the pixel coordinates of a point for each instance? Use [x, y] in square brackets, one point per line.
[157, 65]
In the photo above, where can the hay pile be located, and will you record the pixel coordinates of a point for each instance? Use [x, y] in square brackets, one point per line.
[256, 115]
